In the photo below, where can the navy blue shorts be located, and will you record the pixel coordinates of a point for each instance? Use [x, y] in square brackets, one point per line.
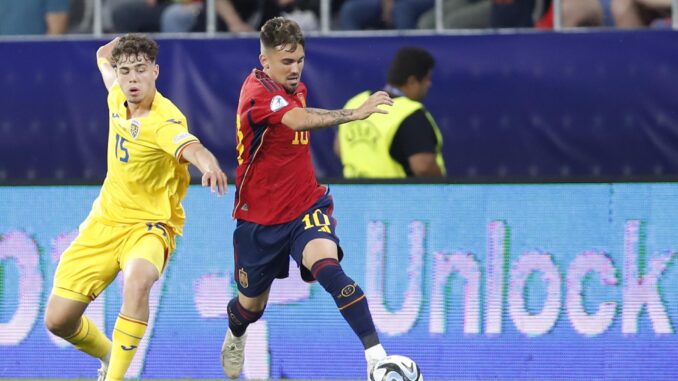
[262, 252]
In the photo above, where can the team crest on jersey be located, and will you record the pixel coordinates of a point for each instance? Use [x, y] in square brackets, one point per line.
[134, 128]
[242, 278]
[277, 103]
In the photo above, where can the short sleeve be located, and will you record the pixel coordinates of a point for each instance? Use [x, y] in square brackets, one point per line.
[115, 96]
[415, 135]
[269, 104]
[173, 136]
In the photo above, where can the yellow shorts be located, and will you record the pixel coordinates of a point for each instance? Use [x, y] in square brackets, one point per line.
[100, 251]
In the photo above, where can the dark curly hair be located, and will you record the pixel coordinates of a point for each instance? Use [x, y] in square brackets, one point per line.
[410, 61]
[135, 45]
[280, 31]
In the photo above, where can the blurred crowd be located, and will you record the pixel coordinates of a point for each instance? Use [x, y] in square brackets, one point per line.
[35, 17]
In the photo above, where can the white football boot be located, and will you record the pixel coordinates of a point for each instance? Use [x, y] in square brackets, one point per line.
[101, 373]
[233, 354]
[373, 355]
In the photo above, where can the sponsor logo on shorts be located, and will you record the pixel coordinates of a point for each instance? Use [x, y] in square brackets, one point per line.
[242, 278]
[131, 347]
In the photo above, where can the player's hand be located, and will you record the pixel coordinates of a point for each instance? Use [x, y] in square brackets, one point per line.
[216, 180]
[372, 104]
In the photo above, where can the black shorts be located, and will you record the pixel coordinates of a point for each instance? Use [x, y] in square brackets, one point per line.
[262, 252]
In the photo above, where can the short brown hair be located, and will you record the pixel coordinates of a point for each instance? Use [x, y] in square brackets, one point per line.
[280, 31]
[135, 45]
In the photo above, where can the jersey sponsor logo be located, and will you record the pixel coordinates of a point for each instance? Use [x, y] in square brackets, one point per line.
[180, 136]
[175, 121]
[242, 278]
[277, 103]
[245, 208]
[115, 115]
[134, 127]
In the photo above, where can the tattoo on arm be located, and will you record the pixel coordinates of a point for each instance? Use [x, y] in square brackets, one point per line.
[327, 117]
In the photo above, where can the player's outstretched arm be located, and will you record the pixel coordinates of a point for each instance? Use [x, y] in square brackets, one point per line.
[303, 119]
[202, 158]
[104, 59]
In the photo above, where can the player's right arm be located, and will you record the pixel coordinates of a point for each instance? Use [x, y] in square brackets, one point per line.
[104, 62]
[212, 175]
[304, 119]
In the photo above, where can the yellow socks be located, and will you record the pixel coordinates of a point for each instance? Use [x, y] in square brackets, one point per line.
[89, 339]
[127, 334]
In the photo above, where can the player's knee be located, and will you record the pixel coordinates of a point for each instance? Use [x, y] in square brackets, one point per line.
[60, 324]
[332, 278]
[137, 288]
[140, 276]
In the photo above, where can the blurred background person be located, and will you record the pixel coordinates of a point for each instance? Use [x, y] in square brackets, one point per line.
[642, 13]
[406, 142]
[612, 13]
[382, 14]
[181, 16]
[518, 13]
[459, 14]
[138, 16]
[239, 15]
[588, 13]
[33, 17]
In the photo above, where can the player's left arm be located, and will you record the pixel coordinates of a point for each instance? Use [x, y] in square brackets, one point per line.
[304, 119]
[104, 62]
[424, 164]
[212, 175]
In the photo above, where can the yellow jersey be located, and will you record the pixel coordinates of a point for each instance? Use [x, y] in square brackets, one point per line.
[145, 180]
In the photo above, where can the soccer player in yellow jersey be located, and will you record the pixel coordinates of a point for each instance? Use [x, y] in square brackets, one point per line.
[134, 221]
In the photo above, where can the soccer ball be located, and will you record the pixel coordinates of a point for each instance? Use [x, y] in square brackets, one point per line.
[396, 368]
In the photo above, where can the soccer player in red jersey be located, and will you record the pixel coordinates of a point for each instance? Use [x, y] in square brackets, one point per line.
[280, 208]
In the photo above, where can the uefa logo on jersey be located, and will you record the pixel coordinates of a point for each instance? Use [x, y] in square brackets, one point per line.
[277, 103]
[134, 128]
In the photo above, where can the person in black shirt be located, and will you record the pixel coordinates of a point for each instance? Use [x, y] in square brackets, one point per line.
[403, 143]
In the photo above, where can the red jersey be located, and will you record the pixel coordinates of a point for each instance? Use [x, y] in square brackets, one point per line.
[275, 180]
